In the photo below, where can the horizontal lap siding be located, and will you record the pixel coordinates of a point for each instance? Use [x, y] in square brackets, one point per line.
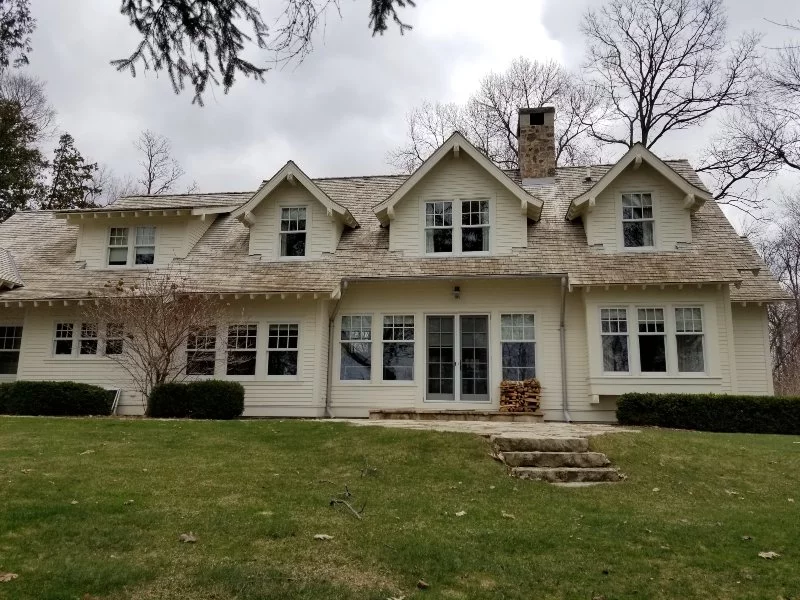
[459, 178]
[753, 362]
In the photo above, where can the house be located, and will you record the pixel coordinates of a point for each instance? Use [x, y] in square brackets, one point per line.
[416, 292]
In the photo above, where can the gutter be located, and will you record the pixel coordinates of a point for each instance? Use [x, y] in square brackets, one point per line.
[331, 327]
[563, 335]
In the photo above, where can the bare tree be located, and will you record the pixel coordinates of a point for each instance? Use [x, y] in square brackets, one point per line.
[29, 93]
[489, 118]
[160, 171]
[113, 187]
[146, 324]
[664, 66]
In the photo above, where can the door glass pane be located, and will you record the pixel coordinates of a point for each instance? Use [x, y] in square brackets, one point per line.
[441, 355]
[474, 358]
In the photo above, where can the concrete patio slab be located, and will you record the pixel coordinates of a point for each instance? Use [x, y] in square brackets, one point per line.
[489, 428]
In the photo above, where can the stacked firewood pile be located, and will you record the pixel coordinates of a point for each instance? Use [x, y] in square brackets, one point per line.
[520, 396]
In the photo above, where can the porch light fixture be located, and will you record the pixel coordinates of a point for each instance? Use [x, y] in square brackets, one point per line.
[456, 292]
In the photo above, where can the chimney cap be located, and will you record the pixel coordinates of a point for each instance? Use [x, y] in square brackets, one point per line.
[537, 110]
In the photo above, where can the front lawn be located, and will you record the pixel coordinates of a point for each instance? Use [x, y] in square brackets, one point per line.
[94, 508]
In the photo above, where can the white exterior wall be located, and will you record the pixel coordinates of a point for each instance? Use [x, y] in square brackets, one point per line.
[323, 231]
[175, 237]
[458, 178]
[753, 360]
[672, 222]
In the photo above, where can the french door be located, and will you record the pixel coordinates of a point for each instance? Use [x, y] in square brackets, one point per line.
[458, 358]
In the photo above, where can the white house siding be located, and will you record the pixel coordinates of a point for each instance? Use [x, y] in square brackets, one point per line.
[323, 231]
[12, 317]
[672, 221]
[753, 363]
[175, 236]
[458, 178]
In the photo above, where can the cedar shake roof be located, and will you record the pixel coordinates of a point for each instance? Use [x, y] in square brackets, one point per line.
[9, 275]
[43, 248]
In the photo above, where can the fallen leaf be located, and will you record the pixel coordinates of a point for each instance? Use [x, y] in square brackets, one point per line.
[423, 585]
[6, 577]
[732, 493]
[396, 598]
[74, 502]
[461, 513]
[128, 502]
[769, 555]
[508, 515]
[26, 471]
[790, 499]
[87, 452]
[323, 537]
[747, 538]
[188, 538]
[491, 487]
[656, 489]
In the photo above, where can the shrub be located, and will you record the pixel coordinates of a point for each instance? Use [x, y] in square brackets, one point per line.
[711, 412]
[54, 399]
[212, 399]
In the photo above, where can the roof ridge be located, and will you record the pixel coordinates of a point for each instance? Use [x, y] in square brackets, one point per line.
[183, 195]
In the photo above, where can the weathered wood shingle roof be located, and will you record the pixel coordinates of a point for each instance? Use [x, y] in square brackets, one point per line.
[43, 249]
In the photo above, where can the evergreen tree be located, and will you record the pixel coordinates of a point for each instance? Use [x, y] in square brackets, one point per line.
[72, 179]
[21, 163]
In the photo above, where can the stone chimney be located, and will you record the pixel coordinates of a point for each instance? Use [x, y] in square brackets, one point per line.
[536, 138]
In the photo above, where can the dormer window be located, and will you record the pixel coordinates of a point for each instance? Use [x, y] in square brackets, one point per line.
[293, 231]
[471, 220]
[120, 251]
[638, 223]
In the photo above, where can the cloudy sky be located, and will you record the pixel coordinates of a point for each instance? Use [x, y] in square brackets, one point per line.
[337, 113]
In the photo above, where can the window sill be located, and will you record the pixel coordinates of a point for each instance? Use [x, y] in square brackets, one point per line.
[627, 378]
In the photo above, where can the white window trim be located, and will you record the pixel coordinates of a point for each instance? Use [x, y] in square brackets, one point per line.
[216, 350]
[627, 334]
[131, 260]
[457, 227]
[279, 207]
[665, 334]
[297, 376]
[14, 324]
[704, 335]
[397, 382]
[621, 227]
[535, 343]
[254, 351]
[373, 350]
[78, 340]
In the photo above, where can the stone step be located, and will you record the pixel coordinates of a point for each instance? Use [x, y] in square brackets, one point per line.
[556, 459]
[567, 474]
[502, 443]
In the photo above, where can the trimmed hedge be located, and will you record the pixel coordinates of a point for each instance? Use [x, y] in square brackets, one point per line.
[711, 412]
[212, 399]
[54, 399]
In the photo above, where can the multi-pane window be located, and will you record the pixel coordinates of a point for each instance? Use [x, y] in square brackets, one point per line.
[293, 231]
[118, 246]
[637, 220]
[438, 227]
[10, 343]
[518, 346]
[398, 347]
[356, 345]
[474, 226]
[201, 345]
[88, 340]
[282, 349]
[62, 342]
[145, 247]
[115, 339]
[689, 339]
[614, 331]
[242, 349]
[652, 340]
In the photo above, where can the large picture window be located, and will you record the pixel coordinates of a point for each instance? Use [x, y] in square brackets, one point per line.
[438, 227]
[201, 354]
[398, 348]
[356, 346]
[518, 345]
[10, 344]
[638, 223]
[282, 349]
[652, 340]
[242, 349]
[293, 231]
[689, 339]
[614, 331]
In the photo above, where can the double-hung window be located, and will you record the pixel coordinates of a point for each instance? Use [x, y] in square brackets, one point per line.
[10, 343]
[438, 227]
[201, 355]
[474, 226]
[614, 332]
[293, 231]
[518, 346]
[282, 349]
[145, 248]
[652, 340]
[398, 348]
[63, 339]
[119, 247]
[88, 345]
[115, 338]
[465, 232]
[689, 339]
[356, 346]
[638, 223]
[242, 349]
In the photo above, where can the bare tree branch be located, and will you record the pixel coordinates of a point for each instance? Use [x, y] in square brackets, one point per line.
[160, 171]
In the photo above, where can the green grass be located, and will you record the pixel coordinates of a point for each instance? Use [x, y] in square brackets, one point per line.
[256, 492]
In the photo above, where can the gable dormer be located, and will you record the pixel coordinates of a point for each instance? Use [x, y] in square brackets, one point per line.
[291, 218]
[641, 204]
[458, 203]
